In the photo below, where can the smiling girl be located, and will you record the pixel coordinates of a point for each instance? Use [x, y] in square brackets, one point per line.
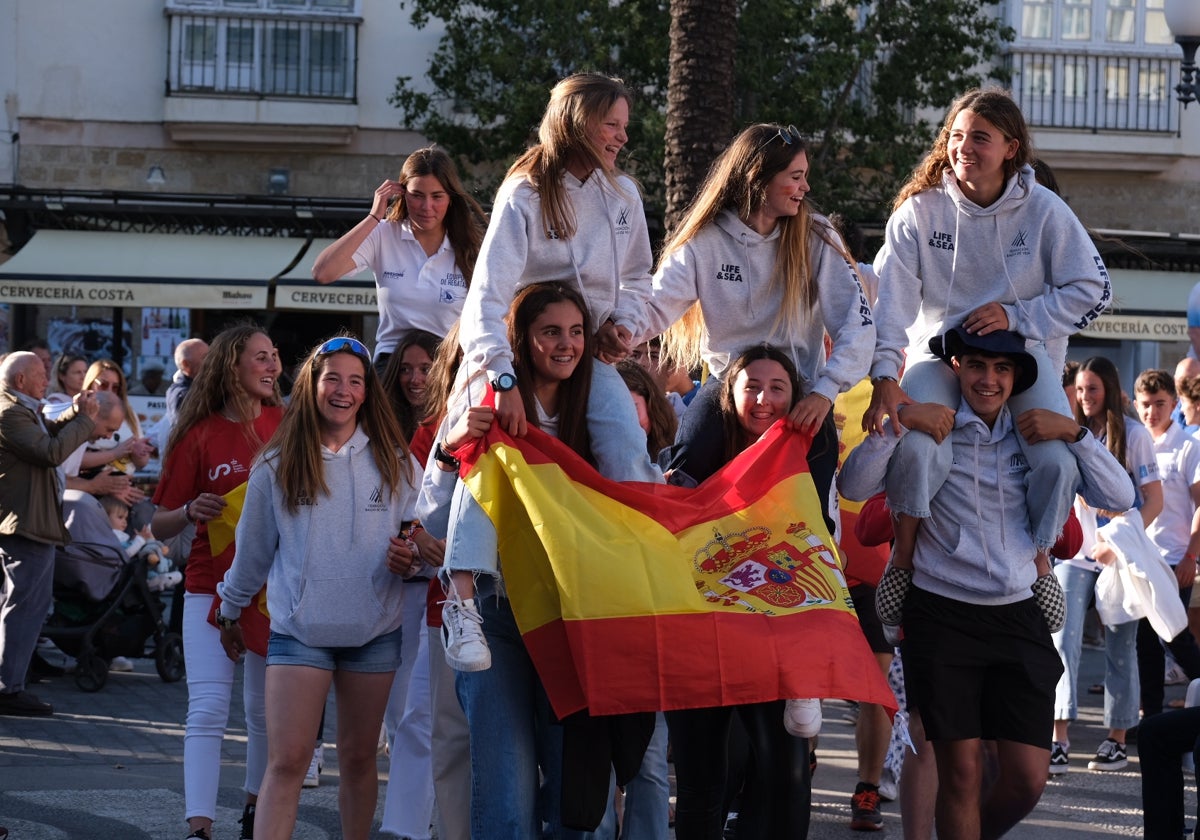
[324, 506]
[761, 387]
[755, 264]
[507, 711]
[974, 239]
[231, 409]
[566, 212]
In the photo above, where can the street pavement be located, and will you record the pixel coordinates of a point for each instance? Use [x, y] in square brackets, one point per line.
[108, 765]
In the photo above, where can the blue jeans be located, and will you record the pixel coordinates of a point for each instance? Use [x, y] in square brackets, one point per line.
[1120, 655]
[513, 734]
[919, 466]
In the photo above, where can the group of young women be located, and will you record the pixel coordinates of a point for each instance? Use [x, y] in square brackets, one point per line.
[751, 284]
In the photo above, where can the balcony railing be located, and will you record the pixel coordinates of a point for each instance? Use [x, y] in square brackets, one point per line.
[1095, 92]
[264, 55]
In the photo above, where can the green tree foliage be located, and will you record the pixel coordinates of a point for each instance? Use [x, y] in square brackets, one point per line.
[495, 64]
[855, 79]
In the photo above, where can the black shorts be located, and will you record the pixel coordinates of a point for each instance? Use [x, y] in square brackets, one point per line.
[978, 671]
[863, 595]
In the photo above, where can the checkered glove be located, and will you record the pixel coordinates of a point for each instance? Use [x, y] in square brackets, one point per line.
[1047, 591]
[890, 594]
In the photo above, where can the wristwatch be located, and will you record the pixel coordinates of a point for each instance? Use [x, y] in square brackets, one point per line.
[442, 456]
[884, 378]
[504, 382]
[224, 622]
[1083, 432]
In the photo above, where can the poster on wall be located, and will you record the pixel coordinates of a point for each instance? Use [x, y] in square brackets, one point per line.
[91, 338]
[162, 329]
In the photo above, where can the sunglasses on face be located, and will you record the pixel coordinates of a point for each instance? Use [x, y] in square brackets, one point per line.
[340, 343]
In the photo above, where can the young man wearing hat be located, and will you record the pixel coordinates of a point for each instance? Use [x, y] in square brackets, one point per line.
[971, 619]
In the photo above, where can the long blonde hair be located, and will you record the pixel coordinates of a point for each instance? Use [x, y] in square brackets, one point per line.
[577, 104]
[93, 373]
[995, 105]
[295, 448]
[737, 181]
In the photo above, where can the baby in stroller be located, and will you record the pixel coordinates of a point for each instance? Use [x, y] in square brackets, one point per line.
[103, 607]
[160, 572]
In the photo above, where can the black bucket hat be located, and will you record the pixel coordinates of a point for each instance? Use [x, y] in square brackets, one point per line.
[1007, 343]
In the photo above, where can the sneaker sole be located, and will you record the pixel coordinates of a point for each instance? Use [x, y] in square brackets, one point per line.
[1116, 765]
[468, 667]
[1058, 769]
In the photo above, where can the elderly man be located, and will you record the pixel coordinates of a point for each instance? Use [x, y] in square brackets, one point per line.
[31, 522]
[189, 355]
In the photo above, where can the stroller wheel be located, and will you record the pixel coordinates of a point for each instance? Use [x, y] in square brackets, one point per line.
[91, 672]
[168, 657]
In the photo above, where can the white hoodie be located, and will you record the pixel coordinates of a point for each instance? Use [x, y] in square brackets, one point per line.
[944, 256]
[325, 565]
[728, 267]
[608, 260]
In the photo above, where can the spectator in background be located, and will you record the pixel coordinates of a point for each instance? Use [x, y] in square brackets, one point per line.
[1188, 368]
[151, 382]
[69, 371]
[189, 355]
[31, 449]
[1189, 403]
[1175, 531]
[127, 451]
[41, 349]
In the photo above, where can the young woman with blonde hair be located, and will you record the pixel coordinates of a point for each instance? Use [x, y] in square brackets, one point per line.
[325, 505]
[126, 451]
[752, 263]
[566, 212]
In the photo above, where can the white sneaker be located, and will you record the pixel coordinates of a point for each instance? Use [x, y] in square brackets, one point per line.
[313, 777]
[462, 631]
[120, 663]
[802, 718]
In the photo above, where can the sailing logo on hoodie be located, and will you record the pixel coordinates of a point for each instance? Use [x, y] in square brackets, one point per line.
[622, 224]
[376, 501]
[942, 241]
[731, 272]
[1018, 247]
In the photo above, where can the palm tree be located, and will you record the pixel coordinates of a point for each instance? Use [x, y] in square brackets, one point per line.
[699, 95]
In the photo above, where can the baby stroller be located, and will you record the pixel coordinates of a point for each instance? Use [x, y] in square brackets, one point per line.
[103, 606]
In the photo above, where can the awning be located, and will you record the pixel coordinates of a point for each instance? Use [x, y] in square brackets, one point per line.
[297, 289]
[201, 271]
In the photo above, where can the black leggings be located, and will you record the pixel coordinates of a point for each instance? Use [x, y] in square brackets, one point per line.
[777, 787]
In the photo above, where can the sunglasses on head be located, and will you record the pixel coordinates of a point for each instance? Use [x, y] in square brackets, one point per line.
[340, 343]
[789, 134]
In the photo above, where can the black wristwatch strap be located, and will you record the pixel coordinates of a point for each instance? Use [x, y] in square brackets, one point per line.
[440, 454]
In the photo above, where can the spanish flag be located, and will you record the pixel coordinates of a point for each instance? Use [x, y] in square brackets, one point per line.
[635, 597]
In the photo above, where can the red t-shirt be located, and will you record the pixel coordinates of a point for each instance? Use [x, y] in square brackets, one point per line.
[214, 457]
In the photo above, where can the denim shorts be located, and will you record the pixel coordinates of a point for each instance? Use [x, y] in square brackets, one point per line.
[378, 656]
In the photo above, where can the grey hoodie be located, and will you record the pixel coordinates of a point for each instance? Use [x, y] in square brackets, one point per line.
[727, 266]
[976, 545]
[945, 256]
[325, 566]
[608, 260]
